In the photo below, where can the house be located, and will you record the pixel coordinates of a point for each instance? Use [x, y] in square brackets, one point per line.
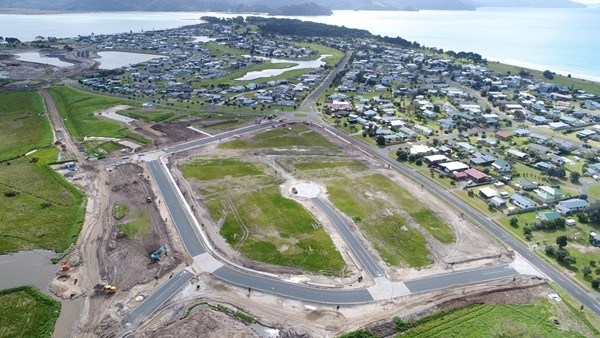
[416, 149]
[497, 202]
[594, 169]
[585, 134]
[502, 135]
[572, 205]
[422, 130]
[522, 133]
[447, 124]
[548, 216]
[482, 159]
[543, 166]
[539, 139]
[487, 193]
[564, 145]
[525, 184]
[501, 165]
[476, 175]
[548, 194]
[538, 120]
[521, 201]
[435, 159]
[451, 167]
[466, 146]
[518, 154]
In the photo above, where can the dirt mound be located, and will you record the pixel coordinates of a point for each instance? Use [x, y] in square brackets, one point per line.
[205, 323]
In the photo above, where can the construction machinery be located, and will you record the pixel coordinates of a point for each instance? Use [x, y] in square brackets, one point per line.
[155, 256]
[106, 288]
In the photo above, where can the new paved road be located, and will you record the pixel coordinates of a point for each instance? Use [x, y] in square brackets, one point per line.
[459, 278]
[363, 255]
[158, 298]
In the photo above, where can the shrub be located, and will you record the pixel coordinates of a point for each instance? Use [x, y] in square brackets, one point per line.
[11, 193]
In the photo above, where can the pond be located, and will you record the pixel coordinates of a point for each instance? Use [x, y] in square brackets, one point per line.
[274, 72]
[112, 60]
[37, 58]
[27, 268]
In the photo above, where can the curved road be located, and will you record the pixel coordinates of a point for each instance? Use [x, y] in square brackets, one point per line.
[190, 235]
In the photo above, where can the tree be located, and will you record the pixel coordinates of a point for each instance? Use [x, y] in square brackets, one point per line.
[593, 212]
[381, 140]
[548, 75]
[570, 260]
[596, 283]
[561, 255]
[514, 221]
[550, 250]
[402, 155]
[562, 241]
[574, 177]
[586, 271]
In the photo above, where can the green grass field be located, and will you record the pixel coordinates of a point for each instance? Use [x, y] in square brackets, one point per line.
[594, 191]
[260, 222]
[299, 136]
[279, 231]
[213, 169]
[389, 232]
[77, 109]
[25, 127]
[38, 207]
[25, 312]
[416, 209]
[147, 115]
[120, 210]
[499, 321]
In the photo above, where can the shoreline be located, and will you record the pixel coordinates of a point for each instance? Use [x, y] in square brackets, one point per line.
[575, 74]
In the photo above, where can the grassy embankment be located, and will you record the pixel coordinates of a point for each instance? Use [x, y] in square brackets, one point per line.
[264, 225]
[77, 109]
[38, 207]
[531, 320]
[25, 127]
[26, 312]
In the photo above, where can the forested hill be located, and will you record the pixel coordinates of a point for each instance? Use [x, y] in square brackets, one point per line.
[280, 7]
[297, 7]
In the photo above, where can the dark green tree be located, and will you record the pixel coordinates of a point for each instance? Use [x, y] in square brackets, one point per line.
[562, 241]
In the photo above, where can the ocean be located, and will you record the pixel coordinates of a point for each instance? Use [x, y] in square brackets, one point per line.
[562, 40]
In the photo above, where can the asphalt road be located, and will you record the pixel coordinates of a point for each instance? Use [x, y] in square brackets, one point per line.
[459, 278]
[184, 226]
[361, 253]
[292, 290]
[566, 283]
[157, 298]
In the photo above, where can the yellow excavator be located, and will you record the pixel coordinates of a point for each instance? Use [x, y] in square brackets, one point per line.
[106, 288]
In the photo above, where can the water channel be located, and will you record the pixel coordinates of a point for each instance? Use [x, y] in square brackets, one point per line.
[274, 72]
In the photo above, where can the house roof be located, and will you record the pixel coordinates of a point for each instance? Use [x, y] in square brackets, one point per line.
[548, 216]
[521, 200]
[454, 166]
[574, 203]
[476, 174]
